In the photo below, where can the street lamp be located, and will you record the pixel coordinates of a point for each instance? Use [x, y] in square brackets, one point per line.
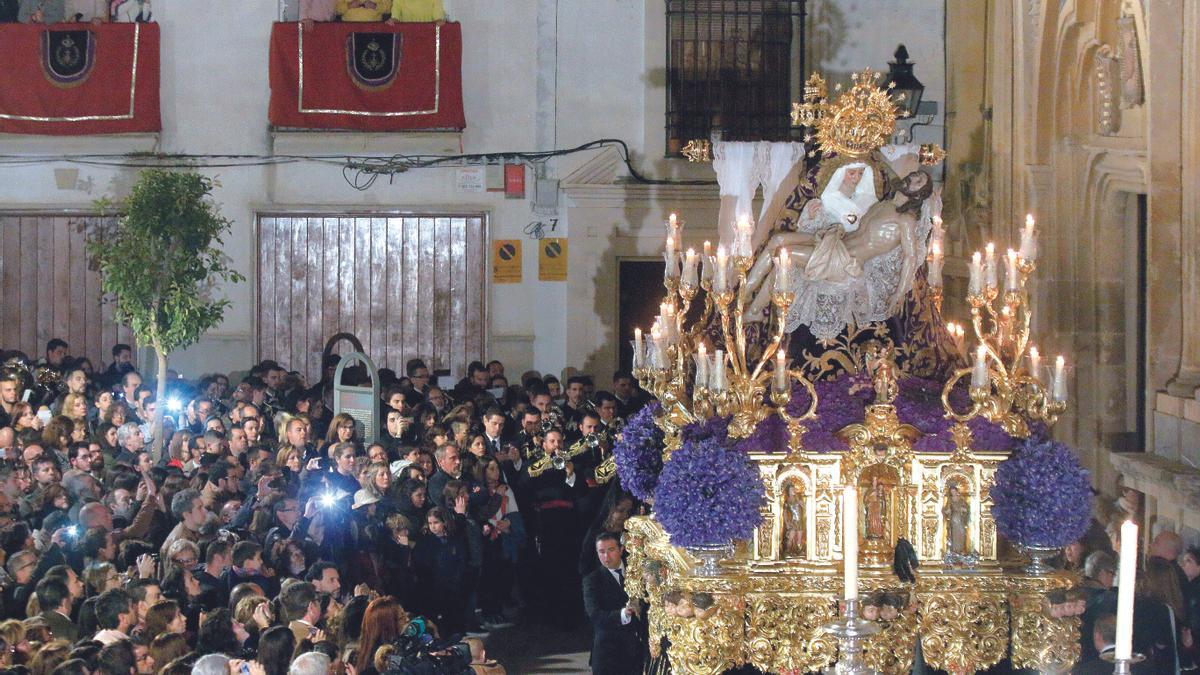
[901, 80]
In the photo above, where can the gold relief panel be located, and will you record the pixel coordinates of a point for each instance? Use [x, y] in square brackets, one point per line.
[784, 633]
[964, 631]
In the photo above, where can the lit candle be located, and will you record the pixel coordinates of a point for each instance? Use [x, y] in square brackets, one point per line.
[1028, 240]
[638, 348]
[701, 366]
[672, 264]
[782, 271]
[935, 264]
[1060, 378]
[689, 267]
[989, 265]
[671, 221]
[850, 542]
[979, 377]
[975, 287]
[1012, 278]
[658, 356]
[781, 374]
[1127, 570]
[1035, 363]
[716, 378]
[720, 283]
[741, 246]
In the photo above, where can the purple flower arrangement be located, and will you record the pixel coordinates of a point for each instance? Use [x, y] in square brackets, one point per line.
[708, 494]
[638, 453]
[1042, 495]
[842, 401]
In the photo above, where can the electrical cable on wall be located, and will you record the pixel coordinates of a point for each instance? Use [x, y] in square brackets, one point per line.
[360, 172]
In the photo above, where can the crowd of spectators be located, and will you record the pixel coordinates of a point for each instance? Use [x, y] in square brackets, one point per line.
[256, 525]
[56, 11]
[1166, 601]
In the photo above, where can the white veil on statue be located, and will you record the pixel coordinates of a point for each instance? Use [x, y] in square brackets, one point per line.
[849, 208]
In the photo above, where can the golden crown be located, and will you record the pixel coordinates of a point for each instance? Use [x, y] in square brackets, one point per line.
[861, 119]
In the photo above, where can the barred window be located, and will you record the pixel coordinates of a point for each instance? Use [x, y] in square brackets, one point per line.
[733, 66]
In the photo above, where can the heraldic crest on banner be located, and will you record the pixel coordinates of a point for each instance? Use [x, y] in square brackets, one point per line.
[68, 56]
[373, 59]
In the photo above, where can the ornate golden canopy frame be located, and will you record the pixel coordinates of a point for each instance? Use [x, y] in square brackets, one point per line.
[768, 606]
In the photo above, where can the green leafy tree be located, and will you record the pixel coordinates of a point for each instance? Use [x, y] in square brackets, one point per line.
[160, 262]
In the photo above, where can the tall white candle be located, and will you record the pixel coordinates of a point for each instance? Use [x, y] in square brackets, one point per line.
[1126, 582]
[935, 264]
[742, 238]
[975, 287]
[1060, 378]
[783, 271]
[979, 377]
[1012, 278]
[659, 358]
[850, 542]
[672, 220]
[989, 265]
[689, 267]
[701, 366]
[670, 254]
[720, 282]
[638, 348]
[1035, 363]
[781, 374]
[1028, 240]
[717, 377]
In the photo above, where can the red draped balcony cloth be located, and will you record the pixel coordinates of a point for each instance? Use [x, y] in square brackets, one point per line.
[71, 79]
[367, 76]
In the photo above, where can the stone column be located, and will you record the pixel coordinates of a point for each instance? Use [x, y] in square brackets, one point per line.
[1187, 379]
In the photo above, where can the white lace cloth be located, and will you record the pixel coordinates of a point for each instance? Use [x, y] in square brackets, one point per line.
[743, 167]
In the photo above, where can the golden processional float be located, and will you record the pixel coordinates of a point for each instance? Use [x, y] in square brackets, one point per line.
[812, 585]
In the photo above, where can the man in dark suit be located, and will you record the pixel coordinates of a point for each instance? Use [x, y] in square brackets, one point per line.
[56, 600]
[616, 644]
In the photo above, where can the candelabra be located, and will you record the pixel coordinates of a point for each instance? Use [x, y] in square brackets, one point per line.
[1006, 385]
[850, 632]
[676, 365]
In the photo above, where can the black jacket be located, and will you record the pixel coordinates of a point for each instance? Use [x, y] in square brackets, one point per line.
[616, 648]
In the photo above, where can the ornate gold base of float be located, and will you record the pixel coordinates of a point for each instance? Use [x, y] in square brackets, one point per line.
[771, 617]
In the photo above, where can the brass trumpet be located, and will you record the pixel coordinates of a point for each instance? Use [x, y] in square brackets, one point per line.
[559, 459]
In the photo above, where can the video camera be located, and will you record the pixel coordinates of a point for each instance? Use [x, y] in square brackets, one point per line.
[419, 652]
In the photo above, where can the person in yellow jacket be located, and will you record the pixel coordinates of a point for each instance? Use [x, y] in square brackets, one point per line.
[364, 10]
[418, 11]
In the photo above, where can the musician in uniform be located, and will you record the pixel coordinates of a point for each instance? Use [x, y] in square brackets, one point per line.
[554, 488]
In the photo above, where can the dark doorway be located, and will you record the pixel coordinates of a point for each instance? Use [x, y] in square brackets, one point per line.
[640, 291]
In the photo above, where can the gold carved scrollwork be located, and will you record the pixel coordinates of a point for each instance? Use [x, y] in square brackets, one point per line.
[891, 650]
[963, 632]
[1040, 641]
[784, 632]
[712, 644]
[881, 438]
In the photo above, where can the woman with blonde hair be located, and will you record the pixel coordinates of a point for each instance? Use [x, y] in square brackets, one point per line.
[75, 407]
[48, 657]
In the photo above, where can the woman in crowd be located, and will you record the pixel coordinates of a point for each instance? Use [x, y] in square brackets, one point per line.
[440, 562]
[382, 624]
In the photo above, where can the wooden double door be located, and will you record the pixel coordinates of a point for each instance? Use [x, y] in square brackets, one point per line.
[406, 286]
